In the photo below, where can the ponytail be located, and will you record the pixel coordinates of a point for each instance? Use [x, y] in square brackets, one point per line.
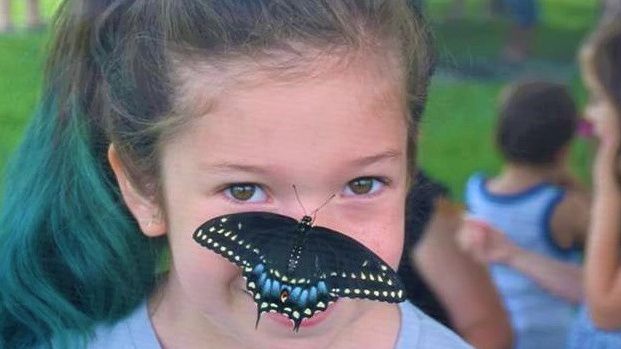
[70, 253]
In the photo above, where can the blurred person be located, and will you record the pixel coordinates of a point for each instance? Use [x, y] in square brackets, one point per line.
[537, 207]
[33, 15]
[524, 15]
[491, 246]
[442, 280]
[599, 321]
[611, 10]
[458, 8]
[6, 23]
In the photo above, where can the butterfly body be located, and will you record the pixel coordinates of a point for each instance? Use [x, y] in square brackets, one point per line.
[303, 226]
[297, 269]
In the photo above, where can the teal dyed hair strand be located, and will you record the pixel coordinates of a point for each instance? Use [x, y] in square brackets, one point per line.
[70, 255]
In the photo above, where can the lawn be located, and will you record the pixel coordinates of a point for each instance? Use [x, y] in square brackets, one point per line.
[457, 131]
[456, 137]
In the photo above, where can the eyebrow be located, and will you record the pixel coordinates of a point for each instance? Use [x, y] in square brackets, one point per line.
[226, 166]
[371, 159]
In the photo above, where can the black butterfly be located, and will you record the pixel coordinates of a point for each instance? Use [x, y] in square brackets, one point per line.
[295, 268]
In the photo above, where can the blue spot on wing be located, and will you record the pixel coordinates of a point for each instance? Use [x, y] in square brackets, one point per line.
[258, 269]
[321, 286]
[295, 294]
[262, 279]
[303, 298]
[266, 287]
[275, 288]
[312, 294]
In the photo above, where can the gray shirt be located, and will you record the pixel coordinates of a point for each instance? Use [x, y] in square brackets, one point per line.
[417, 331]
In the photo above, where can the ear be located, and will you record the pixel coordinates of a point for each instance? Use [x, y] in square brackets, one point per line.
[146, 210]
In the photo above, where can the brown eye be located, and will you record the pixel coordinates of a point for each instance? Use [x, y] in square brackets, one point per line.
[361, 186]
[242, 192]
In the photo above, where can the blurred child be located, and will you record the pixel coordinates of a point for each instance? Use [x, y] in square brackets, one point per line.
[524, 18]
[457, 9]
[599, 323]
[611, 11]
[539, 208]
[524, 15]
[441, 279]
[159, 115]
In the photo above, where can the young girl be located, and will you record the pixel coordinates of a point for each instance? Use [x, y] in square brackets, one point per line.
[599, 323]
[160, 115]
[535, 205]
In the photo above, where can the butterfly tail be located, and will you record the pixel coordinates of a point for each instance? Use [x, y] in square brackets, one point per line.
[296, 325]
[256, 325]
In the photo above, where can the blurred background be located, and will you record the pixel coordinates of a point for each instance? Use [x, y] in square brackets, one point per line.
[471, 38]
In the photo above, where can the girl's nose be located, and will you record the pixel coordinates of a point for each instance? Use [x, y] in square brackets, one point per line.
[318, 210]
[306, 202]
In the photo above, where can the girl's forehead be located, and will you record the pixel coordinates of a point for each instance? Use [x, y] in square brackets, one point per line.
[201, 85]
[330, 117]
[332, 98]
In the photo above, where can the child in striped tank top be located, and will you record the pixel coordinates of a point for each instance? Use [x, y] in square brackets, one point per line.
[533, 214]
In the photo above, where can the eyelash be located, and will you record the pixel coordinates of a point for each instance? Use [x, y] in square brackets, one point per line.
[384, 182]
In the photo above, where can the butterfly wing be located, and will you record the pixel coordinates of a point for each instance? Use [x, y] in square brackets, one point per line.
[247, 238]
[351, 269]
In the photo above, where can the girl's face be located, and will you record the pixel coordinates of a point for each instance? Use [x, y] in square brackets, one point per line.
[343, 132]
[599, 105]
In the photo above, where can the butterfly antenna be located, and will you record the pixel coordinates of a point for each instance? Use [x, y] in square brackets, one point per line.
[295, 190]
[314, 213]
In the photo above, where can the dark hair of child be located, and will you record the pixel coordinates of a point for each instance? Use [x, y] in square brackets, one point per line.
[537, 119]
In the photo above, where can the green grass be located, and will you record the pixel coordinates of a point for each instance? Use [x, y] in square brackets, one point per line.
[457, 131]
[22, 57]
[21, 64]
[563, 25]
[457, 128]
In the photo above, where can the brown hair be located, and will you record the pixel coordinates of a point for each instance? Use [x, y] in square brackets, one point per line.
[123, 57]
[601, 55]
[537, 119]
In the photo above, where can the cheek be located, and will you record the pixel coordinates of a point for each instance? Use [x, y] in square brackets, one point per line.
[598, 112]
[592, 111]
[200, 264]
[194, 265]
[385, 239]
[381, 230]
[203, 276]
